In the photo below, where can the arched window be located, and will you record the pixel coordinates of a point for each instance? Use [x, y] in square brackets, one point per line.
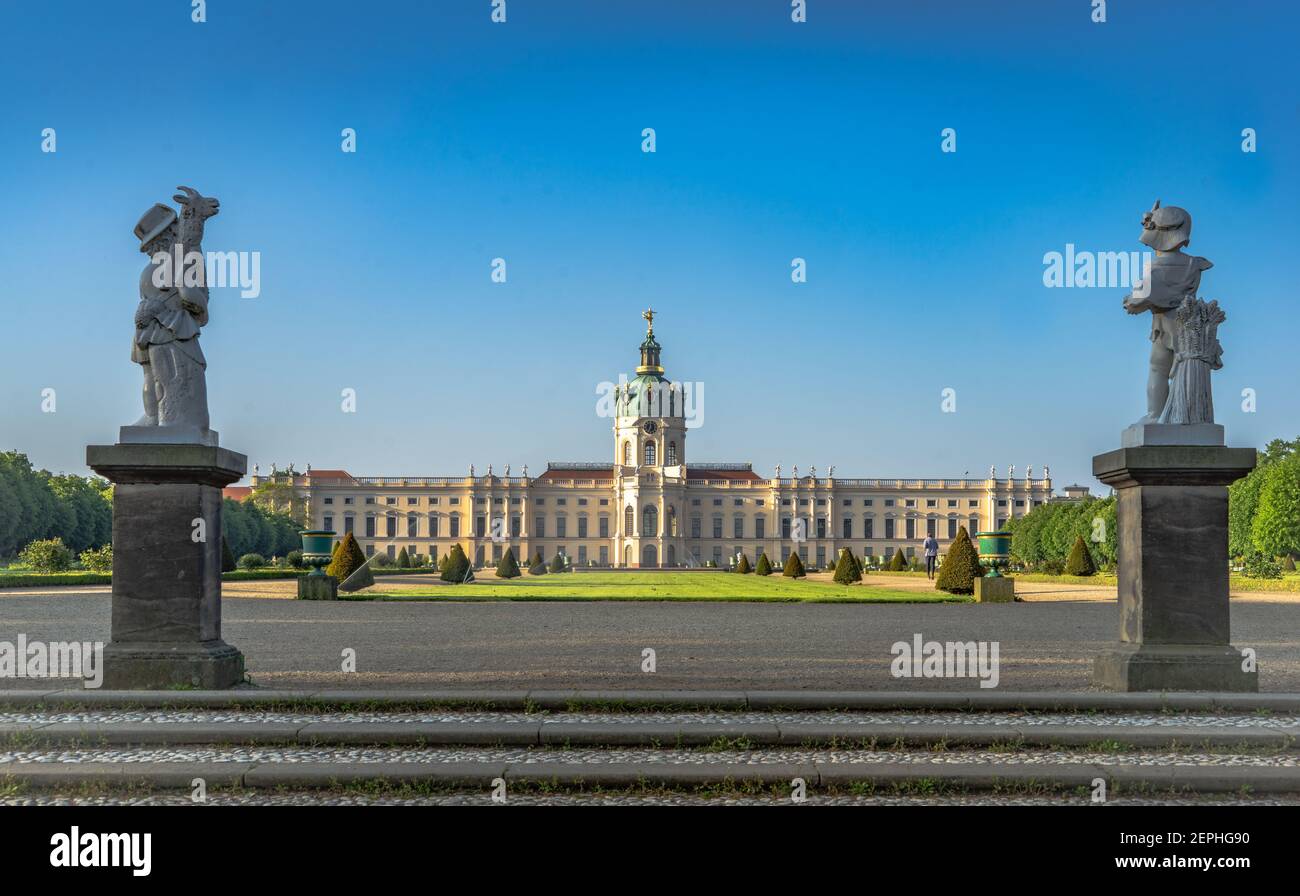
[627, 454]
[649, 454]
[672, 454]
[650, 521]
[629, 518]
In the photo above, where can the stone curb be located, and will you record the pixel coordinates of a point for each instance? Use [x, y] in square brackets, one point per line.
[663, 735]
[972, 776]
[1066, 701]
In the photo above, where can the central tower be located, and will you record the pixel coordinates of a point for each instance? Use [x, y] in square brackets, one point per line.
[649, 460]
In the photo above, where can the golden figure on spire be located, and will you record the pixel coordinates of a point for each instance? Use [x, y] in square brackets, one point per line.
[649, 315]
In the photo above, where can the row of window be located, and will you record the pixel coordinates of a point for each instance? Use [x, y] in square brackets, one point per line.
[650, 528]
[695, 502]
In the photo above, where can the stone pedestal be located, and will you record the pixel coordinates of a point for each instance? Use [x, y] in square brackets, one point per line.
[318, 588]
[998, 589]
[1173, 569]
[167, 565]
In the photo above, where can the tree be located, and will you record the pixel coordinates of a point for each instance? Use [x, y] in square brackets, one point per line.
[847, 570]
[457, 569]
[764, 566]
[1276, 528]
[508, 568]
[228, 557]
[794, 567]
[277, 494]
[403, 559]
[47, 555]
[1080, 561]
[742, 565]
[347, 558]
[899, 562]
[961, 566]
[557, 563]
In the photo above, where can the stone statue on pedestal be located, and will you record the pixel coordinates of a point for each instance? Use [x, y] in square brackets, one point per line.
[167, 473]
[1170, 475]
[173, 308]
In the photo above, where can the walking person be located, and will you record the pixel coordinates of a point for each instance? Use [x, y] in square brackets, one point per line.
[931, 548]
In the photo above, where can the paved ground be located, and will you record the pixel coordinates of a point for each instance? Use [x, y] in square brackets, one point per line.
[1044, 644]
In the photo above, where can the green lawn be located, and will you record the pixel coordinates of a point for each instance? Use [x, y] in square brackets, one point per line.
[657, 586]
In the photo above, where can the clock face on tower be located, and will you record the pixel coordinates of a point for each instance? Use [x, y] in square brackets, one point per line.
[650, 427]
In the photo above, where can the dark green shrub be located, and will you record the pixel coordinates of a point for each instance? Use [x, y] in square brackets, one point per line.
[98, 559]
[899, 562]
[294, 559]
[794, 567]
[227, 558]
[742, 566]
[557, 563]
[1079, 563]
[1261, 566]
[457, 568]
[1288, 563]
[47, 555]
[764, 567]
[508, 568]
[961, 566]
[251, 561]
[847, 570]
[347, 558]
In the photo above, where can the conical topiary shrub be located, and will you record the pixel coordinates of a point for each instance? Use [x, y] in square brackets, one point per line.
[793, 567]
[403, 559]
[961, 566]
[457, 568]
[508, 568]
[557, 563]
[742, 566]
[764, 567]
[1080, 560]
[227, 558]
[846, 569]
[898, 562]
[1288, 563]
[350, 563]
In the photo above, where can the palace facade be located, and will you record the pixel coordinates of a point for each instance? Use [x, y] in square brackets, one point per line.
[651, 506]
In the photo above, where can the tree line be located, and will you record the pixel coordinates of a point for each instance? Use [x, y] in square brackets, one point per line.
[37, 504]
[1263, 517]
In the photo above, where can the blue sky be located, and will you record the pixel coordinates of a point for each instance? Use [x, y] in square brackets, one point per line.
[523, 140]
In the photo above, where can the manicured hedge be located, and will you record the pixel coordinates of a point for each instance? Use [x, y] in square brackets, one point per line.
[36, 579]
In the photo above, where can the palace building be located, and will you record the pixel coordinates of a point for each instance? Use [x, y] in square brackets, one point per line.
[650, 505]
